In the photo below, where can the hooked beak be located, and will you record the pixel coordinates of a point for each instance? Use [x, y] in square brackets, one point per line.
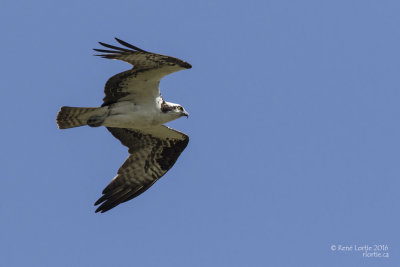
[185, 114]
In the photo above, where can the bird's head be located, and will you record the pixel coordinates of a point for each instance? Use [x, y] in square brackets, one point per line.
[174, 110]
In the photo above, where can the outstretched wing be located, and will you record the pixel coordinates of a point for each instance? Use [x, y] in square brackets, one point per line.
[152, 153]
[141, 82]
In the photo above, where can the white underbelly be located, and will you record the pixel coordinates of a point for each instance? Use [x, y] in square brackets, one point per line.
[129, 115]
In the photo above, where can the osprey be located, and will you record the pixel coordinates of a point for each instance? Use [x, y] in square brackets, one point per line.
[134, 111]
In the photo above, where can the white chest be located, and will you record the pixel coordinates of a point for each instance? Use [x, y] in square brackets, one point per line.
[132, 115]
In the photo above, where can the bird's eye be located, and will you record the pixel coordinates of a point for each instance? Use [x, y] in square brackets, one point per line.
[180, 108]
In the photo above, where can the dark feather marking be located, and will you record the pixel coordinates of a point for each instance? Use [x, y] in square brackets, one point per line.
[159, 160]
[130, 46]
[116, 199]
[142, 190]
[109, 56]
[109, 193]
[160, 59]
[177, 61]
[114, 91]
[115, 47]
[105, 51]
[165, 107]
[170, 153]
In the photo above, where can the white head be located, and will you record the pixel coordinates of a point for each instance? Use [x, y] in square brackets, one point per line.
[173, 110]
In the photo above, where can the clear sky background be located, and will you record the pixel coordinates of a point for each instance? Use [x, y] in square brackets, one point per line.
[294, 133]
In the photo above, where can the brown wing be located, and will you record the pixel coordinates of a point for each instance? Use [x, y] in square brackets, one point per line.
[152, 153]
[141, 82]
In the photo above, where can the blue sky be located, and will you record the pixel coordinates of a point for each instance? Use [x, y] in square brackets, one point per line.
[294, 133]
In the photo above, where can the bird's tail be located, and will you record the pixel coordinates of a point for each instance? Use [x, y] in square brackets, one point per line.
[69, 117]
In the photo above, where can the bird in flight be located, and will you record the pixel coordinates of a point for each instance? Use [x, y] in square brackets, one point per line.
[134, 111]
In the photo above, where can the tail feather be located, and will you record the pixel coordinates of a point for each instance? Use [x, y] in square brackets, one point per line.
[69, 117]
